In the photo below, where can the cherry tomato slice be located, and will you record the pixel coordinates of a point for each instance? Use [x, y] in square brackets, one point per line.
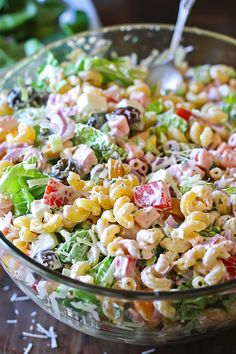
[156, 194]
[230, 264]
[183, 113]
[57, 194]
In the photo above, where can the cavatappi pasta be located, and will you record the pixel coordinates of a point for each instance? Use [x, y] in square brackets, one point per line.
[99, 171]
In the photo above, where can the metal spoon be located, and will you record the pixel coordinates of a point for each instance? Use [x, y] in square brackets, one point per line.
[165, 74]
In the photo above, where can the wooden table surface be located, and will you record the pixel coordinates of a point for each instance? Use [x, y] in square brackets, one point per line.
[72, 342]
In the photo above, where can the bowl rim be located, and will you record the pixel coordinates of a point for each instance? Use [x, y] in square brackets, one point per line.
[99, 290]
[121, 27]
[173, 295]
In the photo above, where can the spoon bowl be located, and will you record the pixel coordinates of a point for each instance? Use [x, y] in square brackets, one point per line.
[165, 74]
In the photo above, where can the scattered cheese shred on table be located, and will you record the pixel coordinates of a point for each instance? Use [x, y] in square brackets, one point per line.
[15, 298]
[33, 314]
[6, 288]
[28, 348]
[34, 335]
[11, 321]
[149, 351]
[17, 312]
[53, 337]
[43, 330]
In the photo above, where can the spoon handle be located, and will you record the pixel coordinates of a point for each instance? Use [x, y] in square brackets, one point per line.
[185, 7]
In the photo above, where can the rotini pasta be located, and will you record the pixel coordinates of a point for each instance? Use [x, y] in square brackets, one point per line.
[117, 184]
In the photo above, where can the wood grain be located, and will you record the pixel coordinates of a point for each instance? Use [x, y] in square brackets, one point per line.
[72, 342]
[214, 15]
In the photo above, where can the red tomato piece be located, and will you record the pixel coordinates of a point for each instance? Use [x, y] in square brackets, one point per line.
[230, 264]
[183, 113]
[156, 194]
[57, 194]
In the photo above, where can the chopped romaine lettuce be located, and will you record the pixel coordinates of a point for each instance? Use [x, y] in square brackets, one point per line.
[45, 72]
[86, 297]
[151, 145]
[200, 73]
[104, 272]
[230, 190]
[229, 106]
[22, 201]
[171, 119]
[32, 116]
[10, 181]
[156, 106]
[56, 143]
[119, 69]
[184, 189]
[188, 183]
[210, 231]
[14, 183]
[190, 309]
[99, 142]
[158, 130]
[75, 248]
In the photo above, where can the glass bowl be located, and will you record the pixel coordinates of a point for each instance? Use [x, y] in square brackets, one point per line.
[109, 313]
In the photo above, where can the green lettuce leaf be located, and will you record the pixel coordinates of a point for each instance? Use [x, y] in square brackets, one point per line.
[189, 309]
[14, 183]
[119, 69]
[188, 183]
[210, 231]
[229, 106]
[158, 130]
[22, 201]
[99, 142]
[73, 250]
[86, 297]
[104, 272]
[230, 190]
[44, 73]
[171, 119]
[156, 106]
[11, 183]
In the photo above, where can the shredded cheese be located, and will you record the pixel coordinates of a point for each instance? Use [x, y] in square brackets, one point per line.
[28, 348]
[15, 298]
[34, 335]
[149, 351]
[11, 321]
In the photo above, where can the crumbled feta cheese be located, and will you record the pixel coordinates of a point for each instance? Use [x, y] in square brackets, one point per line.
[88, 103]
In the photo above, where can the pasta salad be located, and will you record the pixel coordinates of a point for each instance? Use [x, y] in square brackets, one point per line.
[118, 184]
